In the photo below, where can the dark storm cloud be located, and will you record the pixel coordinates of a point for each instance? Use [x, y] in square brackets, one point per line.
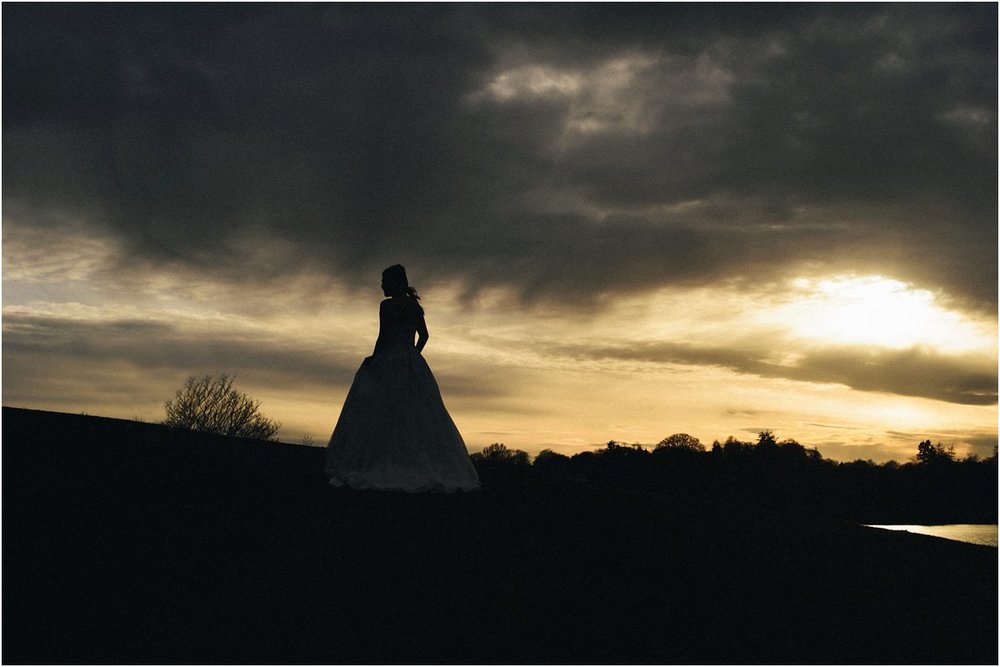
[964, 379]
[569, 151]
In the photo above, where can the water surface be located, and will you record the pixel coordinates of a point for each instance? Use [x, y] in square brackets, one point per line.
[974, 533]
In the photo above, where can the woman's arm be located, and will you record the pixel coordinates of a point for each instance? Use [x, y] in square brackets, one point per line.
[380, 341]
[422, 334]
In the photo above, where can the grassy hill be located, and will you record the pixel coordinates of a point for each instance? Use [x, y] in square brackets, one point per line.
[131, 542]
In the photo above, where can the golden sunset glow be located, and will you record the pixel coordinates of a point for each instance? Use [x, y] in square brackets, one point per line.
[620, 229]
[878, 311]
[712, 362]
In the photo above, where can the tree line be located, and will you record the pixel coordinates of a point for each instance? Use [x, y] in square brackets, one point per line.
[934, 486]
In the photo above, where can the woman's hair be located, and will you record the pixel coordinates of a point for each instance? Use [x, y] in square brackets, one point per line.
[396, 275]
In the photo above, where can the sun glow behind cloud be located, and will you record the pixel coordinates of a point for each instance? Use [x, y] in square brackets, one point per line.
[713, 360]
[878, 311]
[675, 358]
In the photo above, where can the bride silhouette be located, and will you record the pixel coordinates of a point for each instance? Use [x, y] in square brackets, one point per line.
[394, 432]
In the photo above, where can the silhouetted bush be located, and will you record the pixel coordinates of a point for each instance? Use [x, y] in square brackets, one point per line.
[733, 447]
[620, 451]
[498, 456]
[928, 454]
[210, 403]
[551, 463]
[679, 449]
[498, 453]
[680, 441]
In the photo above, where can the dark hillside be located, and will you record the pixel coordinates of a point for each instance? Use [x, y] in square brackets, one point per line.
[130, 542]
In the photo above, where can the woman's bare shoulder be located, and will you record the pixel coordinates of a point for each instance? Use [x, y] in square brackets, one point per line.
[402, 306]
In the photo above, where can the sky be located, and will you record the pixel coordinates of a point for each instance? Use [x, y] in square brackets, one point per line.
[625, 220]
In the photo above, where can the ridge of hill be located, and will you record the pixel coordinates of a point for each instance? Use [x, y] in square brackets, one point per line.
[127, 542]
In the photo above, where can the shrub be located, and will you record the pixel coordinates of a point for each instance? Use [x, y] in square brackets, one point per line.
[498, 454]
[929, 454]
[210, 403]
[548, 458]
[681, 441]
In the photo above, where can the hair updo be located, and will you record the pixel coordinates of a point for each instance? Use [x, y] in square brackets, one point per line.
[396, 275]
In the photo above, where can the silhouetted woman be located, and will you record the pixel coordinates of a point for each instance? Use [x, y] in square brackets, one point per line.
[394, 432]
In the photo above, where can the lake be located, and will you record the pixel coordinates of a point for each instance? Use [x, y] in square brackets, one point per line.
[975, 533]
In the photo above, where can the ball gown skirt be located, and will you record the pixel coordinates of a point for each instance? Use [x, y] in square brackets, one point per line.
[394, 432]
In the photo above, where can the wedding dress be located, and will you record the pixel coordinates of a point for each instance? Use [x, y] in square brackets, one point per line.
[394, 432]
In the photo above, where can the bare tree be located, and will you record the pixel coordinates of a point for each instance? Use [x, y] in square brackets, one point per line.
[210, 403]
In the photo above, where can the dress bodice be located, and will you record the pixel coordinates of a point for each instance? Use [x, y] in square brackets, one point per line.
[399, 319]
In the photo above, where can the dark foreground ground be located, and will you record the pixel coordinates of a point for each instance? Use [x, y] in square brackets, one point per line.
[126, 542]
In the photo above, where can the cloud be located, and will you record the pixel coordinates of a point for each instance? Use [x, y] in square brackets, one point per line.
[566, 153]
[123, 365]
[917, 372]
[152, 346]
[914, 372]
